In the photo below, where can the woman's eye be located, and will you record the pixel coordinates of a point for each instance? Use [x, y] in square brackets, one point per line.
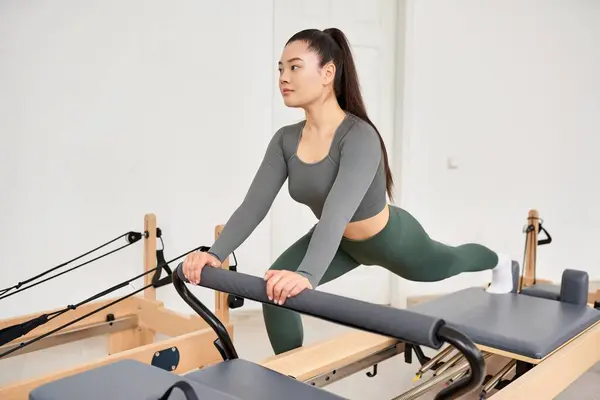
[294, 66]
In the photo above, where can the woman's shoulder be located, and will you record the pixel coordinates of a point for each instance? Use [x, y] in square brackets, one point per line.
[286, 137]
[291, 129]
[359, 131]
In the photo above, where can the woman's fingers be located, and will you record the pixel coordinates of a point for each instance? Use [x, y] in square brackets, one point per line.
[186, 267]
[296, 290]
[288, 289]
[272, 281]
[279, 286]
[197, 273]
[270, 273]
[199, 263]
[192, 266]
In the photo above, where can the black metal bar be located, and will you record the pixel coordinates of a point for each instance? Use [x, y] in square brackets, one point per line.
[420, 355]
[248, 286]
[210, 318]
[477, 365]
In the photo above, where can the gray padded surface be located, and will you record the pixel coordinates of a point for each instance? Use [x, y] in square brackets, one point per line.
[254, 382]
[133, 380]
[126, 379]
[530, 326]
[543, 290]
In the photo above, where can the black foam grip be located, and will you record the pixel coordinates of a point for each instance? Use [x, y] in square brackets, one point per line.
[404, 325]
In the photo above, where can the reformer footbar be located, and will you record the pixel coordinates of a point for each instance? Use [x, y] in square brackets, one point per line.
[239, 379]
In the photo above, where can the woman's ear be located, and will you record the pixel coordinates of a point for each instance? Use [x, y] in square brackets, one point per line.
[328, 73]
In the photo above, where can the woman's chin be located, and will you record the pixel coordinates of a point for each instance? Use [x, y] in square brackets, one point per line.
[290, 102]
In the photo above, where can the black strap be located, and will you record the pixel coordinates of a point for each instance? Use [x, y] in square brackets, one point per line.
[13, 332]
[186, 388]
[27, 326]
[161, 264]
[548, 239]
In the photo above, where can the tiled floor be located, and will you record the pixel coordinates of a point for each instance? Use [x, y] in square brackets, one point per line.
[394, 375]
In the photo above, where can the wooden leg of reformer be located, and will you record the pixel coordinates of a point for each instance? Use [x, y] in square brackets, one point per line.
[150, 262]
[221, 304]
[139, 336]
[529, 273]
[149, 254]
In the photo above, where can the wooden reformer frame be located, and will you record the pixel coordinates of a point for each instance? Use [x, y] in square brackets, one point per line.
[327, 361]
[330, 360]
[131, 326]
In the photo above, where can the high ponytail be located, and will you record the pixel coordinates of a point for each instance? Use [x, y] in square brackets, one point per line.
[332, 46]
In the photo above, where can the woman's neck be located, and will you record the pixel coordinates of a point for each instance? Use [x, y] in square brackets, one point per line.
[324, 117]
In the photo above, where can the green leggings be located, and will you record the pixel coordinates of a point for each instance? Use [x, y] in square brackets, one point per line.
[402, 247]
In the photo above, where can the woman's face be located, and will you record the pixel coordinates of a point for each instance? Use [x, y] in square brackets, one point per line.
[301, 79]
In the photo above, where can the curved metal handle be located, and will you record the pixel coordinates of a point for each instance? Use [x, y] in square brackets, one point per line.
[476, 363]
[211, 319]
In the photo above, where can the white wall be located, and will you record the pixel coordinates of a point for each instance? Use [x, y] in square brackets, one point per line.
[510, 90]
[113, 109]
[149, 107]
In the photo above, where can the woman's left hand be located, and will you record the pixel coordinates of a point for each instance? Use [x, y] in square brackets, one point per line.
[282, 284]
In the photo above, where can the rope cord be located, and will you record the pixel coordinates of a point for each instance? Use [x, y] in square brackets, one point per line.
[133, 237]
[25, 327]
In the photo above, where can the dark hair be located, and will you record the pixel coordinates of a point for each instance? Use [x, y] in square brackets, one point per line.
[332, 46]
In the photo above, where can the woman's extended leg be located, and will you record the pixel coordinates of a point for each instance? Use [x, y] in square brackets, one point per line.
[405, 248]
[284, 327]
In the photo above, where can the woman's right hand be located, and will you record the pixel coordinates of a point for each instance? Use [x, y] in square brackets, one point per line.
[194, 262]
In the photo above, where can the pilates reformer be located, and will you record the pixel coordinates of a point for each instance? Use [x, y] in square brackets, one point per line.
[130, 323]
[235, 378]
[498, 324]
[534, 349]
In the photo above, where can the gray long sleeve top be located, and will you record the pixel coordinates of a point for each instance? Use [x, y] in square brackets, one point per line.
[347, 185]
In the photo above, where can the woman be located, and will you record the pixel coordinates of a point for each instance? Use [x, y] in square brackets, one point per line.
[337, 165]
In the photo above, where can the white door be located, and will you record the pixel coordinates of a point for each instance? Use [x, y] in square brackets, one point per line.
[371, 30]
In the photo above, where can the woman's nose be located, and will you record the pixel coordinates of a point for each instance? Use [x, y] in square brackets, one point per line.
[284, 77]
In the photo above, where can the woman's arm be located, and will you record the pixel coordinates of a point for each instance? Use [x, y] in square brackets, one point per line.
[360, 158]
[265, 186]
